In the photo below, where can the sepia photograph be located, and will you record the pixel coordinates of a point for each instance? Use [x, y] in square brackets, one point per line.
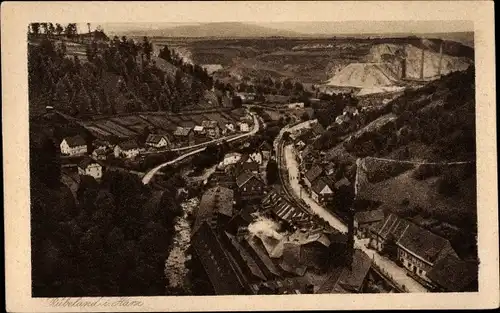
[251, 158]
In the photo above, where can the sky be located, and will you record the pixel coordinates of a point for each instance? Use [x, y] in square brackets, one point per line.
[321, 28]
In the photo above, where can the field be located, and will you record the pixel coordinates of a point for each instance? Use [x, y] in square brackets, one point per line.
[133, 125]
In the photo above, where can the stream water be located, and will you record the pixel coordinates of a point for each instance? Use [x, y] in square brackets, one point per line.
[175, 265]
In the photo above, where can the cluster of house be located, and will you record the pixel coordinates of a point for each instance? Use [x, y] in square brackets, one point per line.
[259, 243]
[320, 182]
[427, 257]
[130, 148]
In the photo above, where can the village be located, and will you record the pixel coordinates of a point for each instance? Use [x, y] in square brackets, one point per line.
[251, 235]
[256, 187]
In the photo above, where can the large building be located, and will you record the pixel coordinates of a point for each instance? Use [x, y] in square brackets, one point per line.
[72, 146]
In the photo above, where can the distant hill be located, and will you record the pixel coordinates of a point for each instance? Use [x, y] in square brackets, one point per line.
[217, 30]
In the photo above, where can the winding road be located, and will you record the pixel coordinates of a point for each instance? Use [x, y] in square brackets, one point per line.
[397, 273]
[149, 175]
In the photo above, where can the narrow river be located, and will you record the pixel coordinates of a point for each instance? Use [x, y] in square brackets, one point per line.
[175, 265]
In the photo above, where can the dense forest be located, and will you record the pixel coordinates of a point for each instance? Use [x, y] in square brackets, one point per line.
[117, 75]
[110, 240]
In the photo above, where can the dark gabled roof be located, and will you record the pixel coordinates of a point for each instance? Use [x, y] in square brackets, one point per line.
[291, 261]
[217, 265]
[155, 139]
[86, 162]
[259, 251]
[453, 274]
[75, 141]
[320, 183]
[182, 131]
[422, 242]
[369, 216]
[128, 145]
[352, 278]
[313, 173]
[247, 258]
[215, 200]
[411, 237]
[244, 177]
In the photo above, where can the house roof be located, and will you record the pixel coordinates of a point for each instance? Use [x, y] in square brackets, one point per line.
[286, 211]
[369, 216]
[453, 274]
[219, 269]
[215, 200]
[352, 278]
[86, 162]
[422, 242]
[155, 139]
[182, 131]
[350, 109]
[75, 141]
[244, 177]
[291, 261]
[198, 128]
[313, 173]
[411, 237]
[319, 184]
[128, 145]
[209, 124]
[247, 258]
[259, 250]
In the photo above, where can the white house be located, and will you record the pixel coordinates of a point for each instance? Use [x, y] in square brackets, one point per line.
[244, 127]
[90, 167]
[157, 141]
[230, 127]
[295, 105]
[231, 158]
[256, 157]
[321, 190]
[73, 146]
[128, 149]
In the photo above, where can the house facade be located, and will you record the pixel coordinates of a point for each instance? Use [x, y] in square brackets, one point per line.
[211, 128]
[321, 190]
[244, 127]
[99, 154]
[90, 168]
[75, 145]
[128, 149]
[250, 187]
[157, 141]
[185, 135]
[414, 247]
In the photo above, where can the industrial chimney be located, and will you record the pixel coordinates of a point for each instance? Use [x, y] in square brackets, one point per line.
[440, 58]
[403, 68]
[422, 66]
[350, 239]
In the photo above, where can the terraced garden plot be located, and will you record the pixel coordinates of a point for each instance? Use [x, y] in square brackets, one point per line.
[130, 121]
[115, 128]
[98, 132]
[161, 122]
